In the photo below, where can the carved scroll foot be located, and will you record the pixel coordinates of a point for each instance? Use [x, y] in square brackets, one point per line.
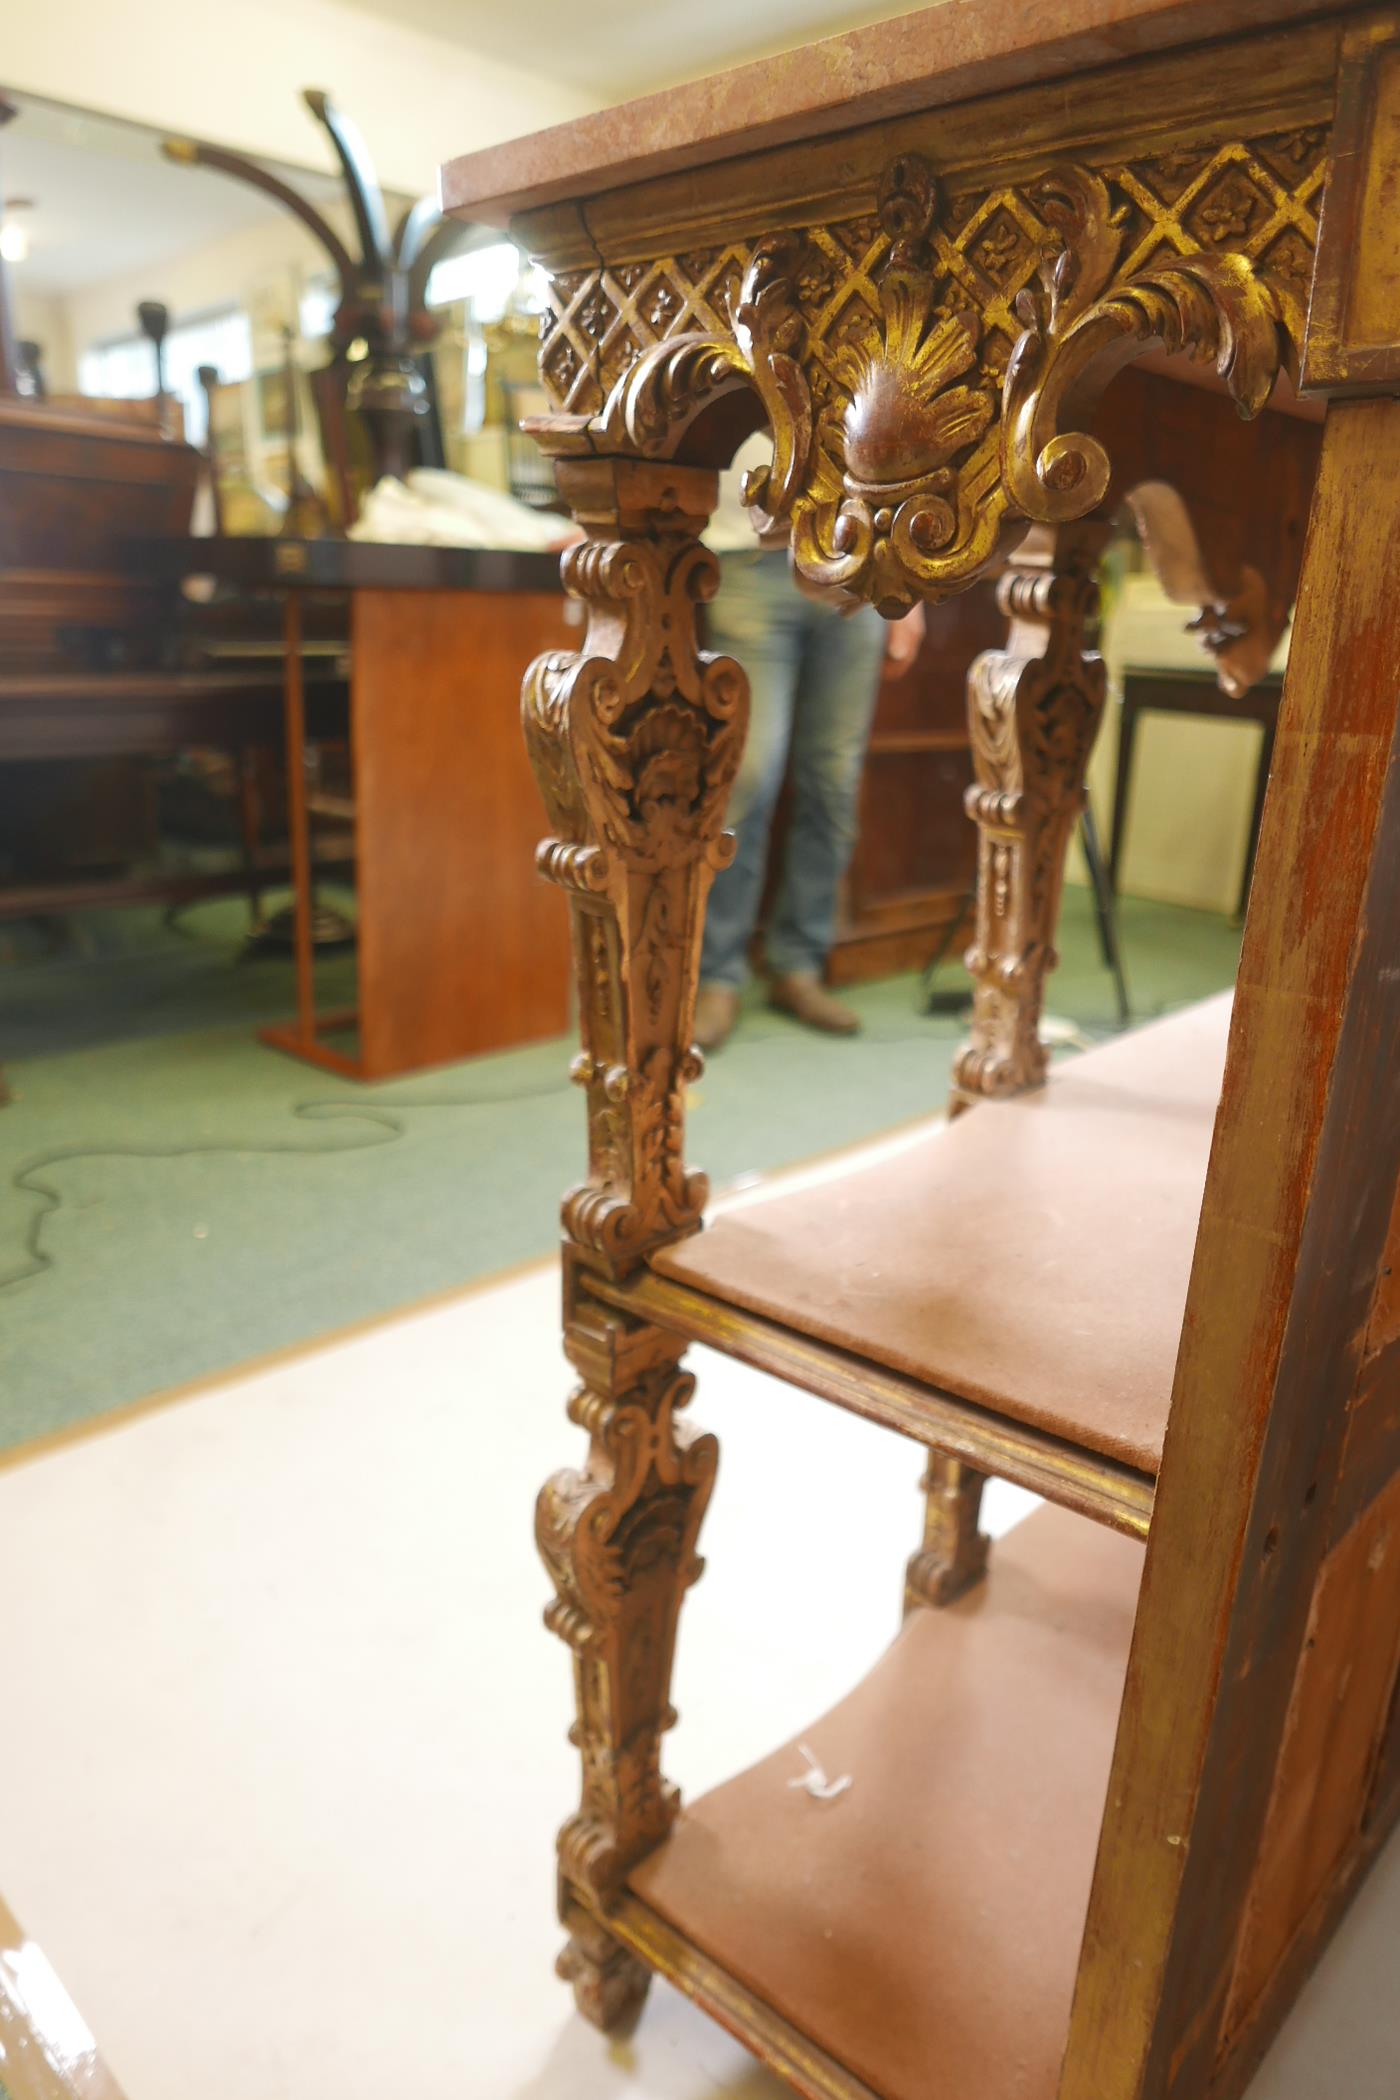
[610, 1985]
[953, 1556]
[1033, 710]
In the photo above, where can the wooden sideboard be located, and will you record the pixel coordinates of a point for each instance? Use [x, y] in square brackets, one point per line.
[461, 949]
[1109, 1803]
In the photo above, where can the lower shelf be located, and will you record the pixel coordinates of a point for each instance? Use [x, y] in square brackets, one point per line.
[922, 1929]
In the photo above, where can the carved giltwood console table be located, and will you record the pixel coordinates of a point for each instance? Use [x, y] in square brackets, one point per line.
[1110, 1806]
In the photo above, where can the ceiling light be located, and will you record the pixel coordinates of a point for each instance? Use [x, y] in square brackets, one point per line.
[14, 242]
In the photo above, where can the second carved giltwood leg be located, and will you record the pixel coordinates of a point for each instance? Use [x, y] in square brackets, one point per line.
[619, 1538]
[954, 1553]
[635, 741]
[1034, 708]
[1033, 711]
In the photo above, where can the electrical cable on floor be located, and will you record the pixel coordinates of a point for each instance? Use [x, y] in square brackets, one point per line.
[387, 1117]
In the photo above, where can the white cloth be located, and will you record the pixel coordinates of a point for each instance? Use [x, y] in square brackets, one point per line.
[433, 508]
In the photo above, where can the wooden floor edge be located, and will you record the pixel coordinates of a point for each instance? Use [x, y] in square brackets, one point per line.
[46, 2050]
[765, 2033]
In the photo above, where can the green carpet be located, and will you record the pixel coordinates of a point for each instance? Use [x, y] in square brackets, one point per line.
[175, 1198]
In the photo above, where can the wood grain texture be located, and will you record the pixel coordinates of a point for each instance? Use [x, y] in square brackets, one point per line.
[462, 948]
[1332, 1738]
[1353, 339]
[1275, 1318]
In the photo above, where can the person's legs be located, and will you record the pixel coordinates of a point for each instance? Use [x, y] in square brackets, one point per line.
[755, 618]
[836, 692]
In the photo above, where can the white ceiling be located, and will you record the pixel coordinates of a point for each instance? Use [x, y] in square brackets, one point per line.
[107, 203]
[619, 48]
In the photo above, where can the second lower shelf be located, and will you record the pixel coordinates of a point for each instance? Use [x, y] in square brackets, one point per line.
[1026, 1264]
[920, 1931]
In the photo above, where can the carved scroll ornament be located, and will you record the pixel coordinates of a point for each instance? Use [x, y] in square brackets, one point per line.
[922, 404]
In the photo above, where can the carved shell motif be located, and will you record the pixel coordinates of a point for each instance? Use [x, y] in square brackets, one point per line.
[870, 528]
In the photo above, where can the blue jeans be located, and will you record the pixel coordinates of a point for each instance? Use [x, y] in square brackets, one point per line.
[813, 677]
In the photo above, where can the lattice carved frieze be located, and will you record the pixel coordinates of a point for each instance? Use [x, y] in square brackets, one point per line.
[915, 364]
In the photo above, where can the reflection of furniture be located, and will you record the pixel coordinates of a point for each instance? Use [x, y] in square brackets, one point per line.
[461, 948]
[75, 715]
[76, 482]
[1103, 1812]
[96, 660]
[909, 892]
[1148, 691]
[1221, 535]
[381, 312]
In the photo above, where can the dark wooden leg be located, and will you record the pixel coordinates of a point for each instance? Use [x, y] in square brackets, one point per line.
[954, 1553]
[298, 815]
[635, 742]
[1105, 909]
[610, 1984]
[1033, 709]
[1122, 786]
[1256, 815]
[250, 830]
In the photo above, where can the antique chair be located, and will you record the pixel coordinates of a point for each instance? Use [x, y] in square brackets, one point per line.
[1110, 1804]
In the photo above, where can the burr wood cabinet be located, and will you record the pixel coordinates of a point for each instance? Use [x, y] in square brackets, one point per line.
[1120, 1777]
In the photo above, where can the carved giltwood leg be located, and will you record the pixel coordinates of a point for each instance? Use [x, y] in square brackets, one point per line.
[954, 1553]
[635, 742]
[1033, 710]
[619, 1538]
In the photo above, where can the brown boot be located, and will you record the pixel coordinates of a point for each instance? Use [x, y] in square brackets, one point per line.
[803, 995]
[716, 1011]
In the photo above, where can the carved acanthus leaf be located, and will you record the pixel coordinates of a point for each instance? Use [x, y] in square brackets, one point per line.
[656, 401]
[1080, 326]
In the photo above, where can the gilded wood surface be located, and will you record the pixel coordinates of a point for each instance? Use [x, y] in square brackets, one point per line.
[916, 364]
[926, 345]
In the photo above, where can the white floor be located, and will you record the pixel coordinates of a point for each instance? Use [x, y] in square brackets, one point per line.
[283, 1744]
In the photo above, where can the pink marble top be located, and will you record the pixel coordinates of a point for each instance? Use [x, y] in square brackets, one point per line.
[932, 58]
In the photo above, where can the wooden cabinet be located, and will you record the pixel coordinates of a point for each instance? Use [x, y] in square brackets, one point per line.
[909, 892]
